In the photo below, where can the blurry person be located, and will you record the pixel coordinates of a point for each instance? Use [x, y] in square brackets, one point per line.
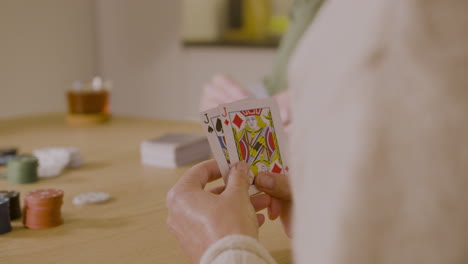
[379, 147]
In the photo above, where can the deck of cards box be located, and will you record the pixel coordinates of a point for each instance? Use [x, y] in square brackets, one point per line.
[248, 130]
[174, 150]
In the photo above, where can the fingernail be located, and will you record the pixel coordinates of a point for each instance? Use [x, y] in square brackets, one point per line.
[242, 167]
[265, 181]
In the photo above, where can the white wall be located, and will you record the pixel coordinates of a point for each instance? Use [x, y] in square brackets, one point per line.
[139, 49]
[47, 44]
[44, 46]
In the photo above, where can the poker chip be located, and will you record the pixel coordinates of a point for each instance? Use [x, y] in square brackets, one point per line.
[91, 198]
[42, 209]
[6, 154]
[76, 159]
[8, 151]
[52, 161]
[22, 169]
[14, 197]
[5, 224]
[43, 195]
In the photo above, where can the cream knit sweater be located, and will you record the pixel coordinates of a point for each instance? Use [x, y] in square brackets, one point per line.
[380, 137]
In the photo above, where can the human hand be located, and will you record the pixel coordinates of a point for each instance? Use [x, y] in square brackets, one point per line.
[198, 218]
[221, 89]
[277, 186]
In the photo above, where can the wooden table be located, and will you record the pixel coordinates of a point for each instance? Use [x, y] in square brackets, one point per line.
[131, 228]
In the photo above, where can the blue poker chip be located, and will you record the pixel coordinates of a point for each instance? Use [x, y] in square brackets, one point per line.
[5, 224]
[14, 200]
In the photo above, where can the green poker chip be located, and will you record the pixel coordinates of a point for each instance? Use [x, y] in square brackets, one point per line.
[22, 169]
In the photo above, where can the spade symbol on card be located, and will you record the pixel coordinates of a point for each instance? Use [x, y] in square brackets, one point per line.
[219, 125]
[210, 129]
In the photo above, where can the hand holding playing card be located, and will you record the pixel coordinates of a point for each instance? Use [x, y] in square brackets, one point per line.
[247, 130]
[198, 218]
[277, 186]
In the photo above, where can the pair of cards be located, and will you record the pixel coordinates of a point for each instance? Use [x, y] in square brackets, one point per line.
[249, 130]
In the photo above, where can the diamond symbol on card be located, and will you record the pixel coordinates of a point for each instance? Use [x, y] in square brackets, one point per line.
[226, 122]
[276, 169]
[238, 121]
[287, 168]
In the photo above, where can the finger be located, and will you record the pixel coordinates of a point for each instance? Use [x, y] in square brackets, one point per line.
[218, 189]
[199, 175]
[274, 210]
[285, 116]
[260, 219]
[274, 184]
[238, 179]
[260, 202]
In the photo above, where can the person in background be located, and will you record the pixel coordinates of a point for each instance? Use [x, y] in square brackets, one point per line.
[223, 89]
[379, 147]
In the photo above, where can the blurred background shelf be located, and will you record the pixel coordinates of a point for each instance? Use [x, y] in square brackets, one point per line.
[234, 23]
[271, 44]
[151, 50]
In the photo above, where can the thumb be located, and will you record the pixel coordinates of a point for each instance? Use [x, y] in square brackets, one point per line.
[274, 184]
[238, 179]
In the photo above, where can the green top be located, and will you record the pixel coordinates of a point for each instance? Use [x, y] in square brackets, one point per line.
[301, 16]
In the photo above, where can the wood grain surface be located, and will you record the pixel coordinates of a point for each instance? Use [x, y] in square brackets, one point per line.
[131, 228]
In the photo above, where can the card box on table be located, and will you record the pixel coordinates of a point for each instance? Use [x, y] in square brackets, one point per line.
[174, 150]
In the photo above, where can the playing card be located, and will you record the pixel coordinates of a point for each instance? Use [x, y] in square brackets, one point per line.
[254, 133]
[214, 131]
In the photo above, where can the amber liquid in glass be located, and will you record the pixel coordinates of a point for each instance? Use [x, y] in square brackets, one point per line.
[88, 102]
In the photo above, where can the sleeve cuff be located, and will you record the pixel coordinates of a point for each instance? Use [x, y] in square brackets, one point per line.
[236, 248]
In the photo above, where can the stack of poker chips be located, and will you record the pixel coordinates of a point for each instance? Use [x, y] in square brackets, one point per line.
[7, 154]
[15, 208]
[5, 225]
[76, 159]
[22, 169]
[42, 209]
[53, 160]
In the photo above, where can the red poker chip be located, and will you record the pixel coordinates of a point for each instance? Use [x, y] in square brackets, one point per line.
[43, 209]
[44, 194]
[38, 226]
[43, 204]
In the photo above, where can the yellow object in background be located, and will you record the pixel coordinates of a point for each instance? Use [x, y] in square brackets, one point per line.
[278, 25]
[249, 20]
